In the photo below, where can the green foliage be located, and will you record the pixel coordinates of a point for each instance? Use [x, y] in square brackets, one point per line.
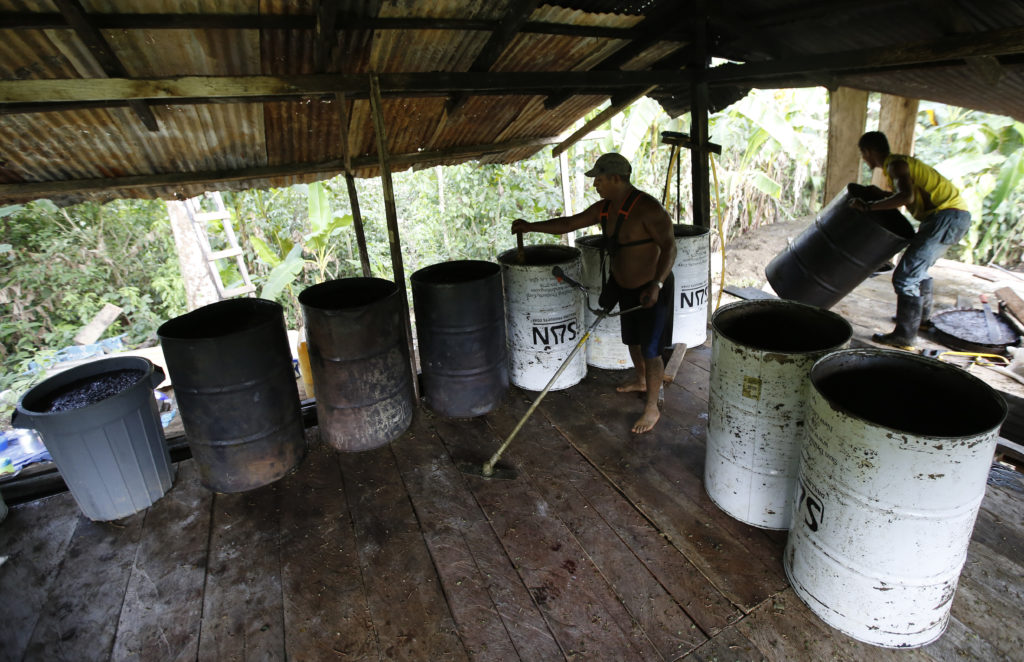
[63, 265]
[983, 155]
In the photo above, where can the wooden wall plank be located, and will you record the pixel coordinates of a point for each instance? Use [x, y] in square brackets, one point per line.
[580, 607]
[163, 604]
[493, 610]
[326, 613]
[410, 614]
[80, 619]
[35, 537]
[242, 606]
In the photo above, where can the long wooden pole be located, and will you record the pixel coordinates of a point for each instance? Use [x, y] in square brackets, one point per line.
[353, 195]
[699, 122]
[392, 215]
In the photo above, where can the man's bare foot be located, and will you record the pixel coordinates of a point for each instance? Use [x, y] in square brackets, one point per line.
[647, 421]
[632, 387]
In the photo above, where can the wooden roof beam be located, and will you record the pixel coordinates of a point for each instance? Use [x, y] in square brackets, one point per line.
[951, 49]
[611, 111]
[34, 190]
[651, 29]
[167, 90]
[52, 21]
[516, 16]
[325, 33]
[76, 17]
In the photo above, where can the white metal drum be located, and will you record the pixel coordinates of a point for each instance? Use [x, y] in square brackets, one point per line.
[604, 347]
[544, 317]
[690, 273]
[892, 473]
[761, 356]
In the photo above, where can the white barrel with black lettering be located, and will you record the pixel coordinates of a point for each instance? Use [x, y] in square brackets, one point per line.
[690, 271]
[893, 470]
[761, 355]
[544, 317]
[604, 347]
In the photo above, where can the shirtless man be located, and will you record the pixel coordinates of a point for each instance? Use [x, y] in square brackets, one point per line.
[640, 240]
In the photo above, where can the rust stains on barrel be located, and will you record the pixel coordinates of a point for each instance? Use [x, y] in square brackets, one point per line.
[360, 361]
[460, 323]
[231, 367]
[838, 251]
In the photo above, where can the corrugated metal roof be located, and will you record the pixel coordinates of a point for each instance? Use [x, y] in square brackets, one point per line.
[246, 140]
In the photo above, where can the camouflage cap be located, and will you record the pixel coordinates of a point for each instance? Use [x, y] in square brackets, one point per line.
[610, 164]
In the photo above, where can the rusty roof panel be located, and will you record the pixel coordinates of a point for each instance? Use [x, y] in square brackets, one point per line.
[104, 140]
[998, 90]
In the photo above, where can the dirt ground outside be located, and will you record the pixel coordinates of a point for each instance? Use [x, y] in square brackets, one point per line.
[748, 255]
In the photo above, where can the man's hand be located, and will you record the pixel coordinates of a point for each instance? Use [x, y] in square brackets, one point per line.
[519, 225]
[858, 204]
[649, 297]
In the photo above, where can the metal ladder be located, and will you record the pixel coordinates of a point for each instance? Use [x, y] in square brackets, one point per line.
[200, 220]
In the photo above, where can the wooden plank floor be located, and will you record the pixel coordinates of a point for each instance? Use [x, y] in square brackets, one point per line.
[605, 547]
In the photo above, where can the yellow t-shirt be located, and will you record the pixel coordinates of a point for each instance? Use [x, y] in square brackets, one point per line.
[932, 191]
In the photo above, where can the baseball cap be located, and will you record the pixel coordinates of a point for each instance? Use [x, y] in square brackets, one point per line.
[610, 164]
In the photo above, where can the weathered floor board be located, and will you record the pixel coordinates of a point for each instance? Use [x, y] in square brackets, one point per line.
[579, 605]
[551, 465]
[243, 568]
[410, 615]
[160, 618]
[79, 619]
[633, 466]
[326, 614]
[604, 547]
[491, 607]
[34, 539]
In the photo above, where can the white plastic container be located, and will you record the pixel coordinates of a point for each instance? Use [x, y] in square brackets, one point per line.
[690, 273]
[892, 473]
[761, 356]
[544, 317]
[605, 348]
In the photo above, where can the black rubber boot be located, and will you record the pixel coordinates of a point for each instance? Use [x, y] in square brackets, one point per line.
[927, 288]
[908, 319]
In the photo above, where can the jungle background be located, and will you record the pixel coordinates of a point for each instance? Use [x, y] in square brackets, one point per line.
[61, 265]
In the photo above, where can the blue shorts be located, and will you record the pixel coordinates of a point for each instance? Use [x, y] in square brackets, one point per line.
[935, 235]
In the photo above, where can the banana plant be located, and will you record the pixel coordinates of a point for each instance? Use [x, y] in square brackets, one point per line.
[324, 226]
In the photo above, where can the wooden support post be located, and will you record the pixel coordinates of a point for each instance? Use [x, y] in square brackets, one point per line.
[565, 175]
[394, 241]
[701, 168]
[847, 117]
[897, 119]
[350, 182]
[357, 223]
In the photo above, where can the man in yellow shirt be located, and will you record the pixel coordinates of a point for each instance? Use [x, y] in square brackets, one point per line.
[936, 203]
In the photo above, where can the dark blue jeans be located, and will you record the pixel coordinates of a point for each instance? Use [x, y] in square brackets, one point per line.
[934, 236]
